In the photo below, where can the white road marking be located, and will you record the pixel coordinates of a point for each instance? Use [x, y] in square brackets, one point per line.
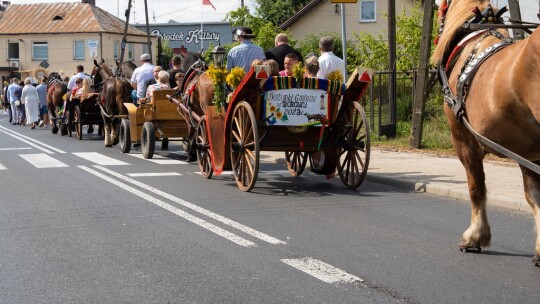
[100, 159]
[25, 141]
[13, 149]
[213, 228]
[2, 167]
[154, 174]
[158, 159]
[42, 160]
[322, 271]
[31, 141]
[194, 207]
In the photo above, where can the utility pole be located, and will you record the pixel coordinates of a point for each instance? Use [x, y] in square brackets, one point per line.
[515, 14]
[420, 91]
[392, 95]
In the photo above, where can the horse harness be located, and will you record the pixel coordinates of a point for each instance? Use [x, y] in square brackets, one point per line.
[469, 69]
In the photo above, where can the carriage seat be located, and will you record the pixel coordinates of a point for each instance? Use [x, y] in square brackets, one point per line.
[163, 108]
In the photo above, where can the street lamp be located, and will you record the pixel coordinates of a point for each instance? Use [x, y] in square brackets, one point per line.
[218, 56]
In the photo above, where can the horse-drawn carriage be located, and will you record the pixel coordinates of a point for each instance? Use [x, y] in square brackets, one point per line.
[153, 120]
[86, 112]
[306, 118]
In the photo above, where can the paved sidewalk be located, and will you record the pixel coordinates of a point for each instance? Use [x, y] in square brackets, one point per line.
[443, 176]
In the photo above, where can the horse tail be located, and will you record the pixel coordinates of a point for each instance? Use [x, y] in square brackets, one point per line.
[122, 93]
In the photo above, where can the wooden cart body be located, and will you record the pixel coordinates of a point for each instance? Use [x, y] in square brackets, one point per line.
[328, 135]
[160, 116]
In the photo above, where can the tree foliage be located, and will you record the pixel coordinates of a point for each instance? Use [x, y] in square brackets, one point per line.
[372, 50]
[278, 11]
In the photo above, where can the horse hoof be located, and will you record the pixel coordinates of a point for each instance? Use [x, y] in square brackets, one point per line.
[108, 146]
[536, 261]
[468, 248]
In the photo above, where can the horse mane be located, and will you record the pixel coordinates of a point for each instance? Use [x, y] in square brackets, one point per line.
[106, 68]
[458, 12]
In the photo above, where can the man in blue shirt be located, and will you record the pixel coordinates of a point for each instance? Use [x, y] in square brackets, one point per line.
[243, 54]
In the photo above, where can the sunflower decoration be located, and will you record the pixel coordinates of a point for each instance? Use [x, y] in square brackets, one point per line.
[298, 72]
[218, 76]
[335, 75]
[272, 108]
[235, 77]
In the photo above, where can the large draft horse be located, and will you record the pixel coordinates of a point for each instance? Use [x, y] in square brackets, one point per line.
[502, 104]
[113, 93]
[56, 89]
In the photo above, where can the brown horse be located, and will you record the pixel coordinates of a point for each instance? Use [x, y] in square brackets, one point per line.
[196, 93]
[114, 91]
[56, 89]
[501, 104]
[125, 69]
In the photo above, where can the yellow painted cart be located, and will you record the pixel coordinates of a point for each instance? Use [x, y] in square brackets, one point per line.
[154, 120]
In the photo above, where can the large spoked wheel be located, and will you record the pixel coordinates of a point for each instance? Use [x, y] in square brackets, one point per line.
[77, 121]
[148, 140]
[244, 146]
[296, 162]
[125, 136]
[354, 154]
[204, 156]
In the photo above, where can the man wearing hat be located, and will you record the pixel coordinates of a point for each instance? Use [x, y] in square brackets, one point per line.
[243, 54]
[140, 76]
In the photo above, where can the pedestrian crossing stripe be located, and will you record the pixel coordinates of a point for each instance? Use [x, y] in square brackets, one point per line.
[100, 159]
[42, 160]
[158, 159]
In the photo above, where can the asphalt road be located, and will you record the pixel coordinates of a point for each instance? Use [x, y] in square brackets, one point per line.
[81, 223]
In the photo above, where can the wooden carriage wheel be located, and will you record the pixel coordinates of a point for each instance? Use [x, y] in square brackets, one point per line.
[296, 162]
[204, 156]
[148, 140]
[354, 153]
[244, 145]
[77, 121]
[125, 136]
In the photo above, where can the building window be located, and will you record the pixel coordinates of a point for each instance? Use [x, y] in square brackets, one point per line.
[368, 12]
[144, 49]
[13, 50]
[130, 51]
[40, 51]
[116, 47]
[78, 50]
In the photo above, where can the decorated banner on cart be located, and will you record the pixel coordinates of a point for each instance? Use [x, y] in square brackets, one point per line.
[296, 107]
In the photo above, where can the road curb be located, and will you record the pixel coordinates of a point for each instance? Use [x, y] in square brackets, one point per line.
[440, 190]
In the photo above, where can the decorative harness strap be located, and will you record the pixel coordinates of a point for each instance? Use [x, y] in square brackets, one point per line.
[470, 67]
[457, 102]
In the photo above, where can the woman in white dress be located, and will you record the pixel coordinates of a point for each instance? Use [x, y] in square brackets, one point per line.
[31, 102]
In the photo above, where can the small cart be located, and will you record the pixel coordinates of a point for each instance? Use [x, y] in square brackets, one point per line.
[154, 120]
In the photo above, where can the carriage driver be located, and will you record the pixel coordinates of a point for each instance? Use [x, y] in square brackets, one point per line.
[139, 77]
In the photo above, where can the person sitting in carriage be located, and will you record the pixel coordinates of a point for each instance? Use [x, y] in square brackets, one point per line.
[162, 84]
[311, 66]
[140, 75]
[73, 80]
[290, 61]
